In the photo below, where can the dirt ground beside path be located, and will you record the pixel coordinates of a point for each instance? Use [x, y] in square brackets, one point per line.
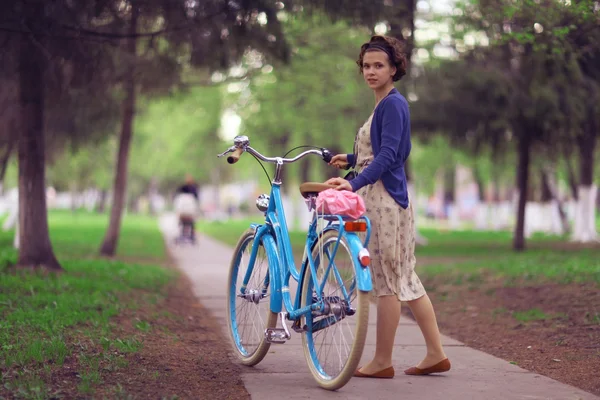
[187, 359]
[551, 329]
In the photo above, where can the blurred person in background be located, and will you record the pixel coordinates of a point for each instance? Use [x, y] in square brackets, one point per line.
[186, 204]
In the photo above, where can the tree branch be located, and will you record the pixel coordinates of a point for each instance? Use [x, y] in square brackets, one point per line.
[82, 32]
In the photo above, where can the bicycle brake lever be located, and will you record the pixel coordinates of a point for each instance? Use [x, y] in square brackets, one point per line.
[229, 150]
[327, 156]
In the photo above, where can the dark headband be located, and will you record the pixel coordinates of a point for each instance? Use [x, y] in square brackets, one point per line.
[375, 46]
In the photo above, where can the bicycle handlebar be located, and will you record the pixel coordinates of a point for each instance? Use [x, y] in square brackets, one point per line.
[242, 144]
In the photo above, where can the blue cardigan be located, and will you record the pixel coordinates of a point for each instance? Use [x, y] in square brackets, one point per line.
[390, 138]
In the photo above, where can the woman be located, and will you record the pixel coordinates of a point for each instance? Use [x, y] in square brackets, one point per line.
[382, 146]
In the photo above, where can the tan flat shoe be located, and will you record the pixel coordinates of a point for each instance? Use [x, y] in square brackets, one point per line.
[385, 373]
[442, 366]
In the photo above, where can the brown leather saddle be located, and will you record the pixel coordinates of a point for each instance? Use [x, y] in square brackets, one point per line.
[308, 189]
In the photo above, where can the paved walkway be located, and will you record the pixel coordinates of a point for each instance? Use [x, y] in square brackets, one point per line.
[284, 373]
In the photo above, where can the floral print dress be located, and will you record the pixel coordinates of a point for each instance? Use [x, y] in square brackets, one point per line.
[392, 243]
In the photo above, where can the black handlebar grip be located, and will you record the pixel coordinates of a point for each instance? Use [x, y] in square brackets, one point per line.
[235, 156]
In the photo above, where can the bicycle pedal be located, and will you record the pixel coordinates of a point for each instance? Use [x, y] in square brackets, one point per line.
[276, 335]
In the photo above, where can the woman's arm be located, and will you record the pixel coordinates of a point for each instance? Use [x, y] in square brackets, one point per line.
[351, 159]
[394, 115]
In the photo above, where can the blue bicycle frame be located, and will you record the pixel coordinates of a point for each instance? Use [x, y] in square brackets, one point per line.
[275, 238]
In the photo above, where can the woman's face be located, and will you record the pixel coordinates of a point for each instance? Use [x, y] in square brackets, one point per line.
[377, 70]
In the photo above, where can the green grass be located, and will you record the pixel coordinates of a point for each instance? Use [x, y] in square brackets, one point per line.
[536, 265]
[468, 256]
[593, 317]
[230, 231]
[535, 314]
[49, 319]
[79, 235]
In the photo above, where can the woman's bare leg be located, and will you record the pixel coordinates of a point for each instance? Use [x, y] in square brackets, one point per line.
[422, 310]
[388, 317]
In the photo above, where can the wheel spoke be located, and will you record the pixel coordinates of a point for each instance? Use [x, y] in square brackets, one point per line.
[249, 312]
[334, 349]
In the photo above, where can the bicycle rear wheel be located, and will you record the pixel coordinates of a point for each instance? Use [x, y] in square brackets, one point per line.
[248, 305]
[335, 337]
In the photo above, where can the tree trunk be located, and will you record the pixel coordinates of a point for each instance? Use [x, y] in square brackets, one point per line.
[410, 45]
[585, 217]
[524, 147]
[449, 189]
[404, 18]
[549, 185]
[73, 198]
[570, 172]
[102, 201]
[587, 147]
[35, 248]
[152, 194]
[305, 165]
[479, 182]
[109, 245]
[496, 197]
[546, 192]
[133, 206]
[6, 158]
[101, 206]
[281, 145]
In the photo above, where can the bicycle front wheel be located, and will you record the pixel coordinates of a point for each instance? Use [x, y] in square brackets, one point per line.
[335, 336]
[248, 304]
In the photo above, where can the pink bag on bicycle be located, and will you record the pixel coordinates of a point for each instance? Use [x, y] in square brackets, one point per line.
[341, 202]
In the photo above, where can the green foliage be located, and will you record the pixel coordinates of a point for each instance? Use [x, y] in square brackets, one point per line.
[319, 99]
[175, 135]
[431, 156]
[526, 70]
[82, 167]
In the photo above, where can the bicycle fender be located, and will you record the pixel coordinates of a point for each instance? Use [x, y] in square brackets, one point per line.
[363, 274]
[276, 299]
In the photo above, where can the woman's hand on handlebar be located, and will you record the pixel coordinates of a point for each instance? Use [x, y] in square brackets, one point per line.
[339, 161]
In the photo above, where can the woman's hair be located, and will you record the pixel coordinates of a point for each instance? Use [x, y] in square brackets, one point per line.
[394, 48]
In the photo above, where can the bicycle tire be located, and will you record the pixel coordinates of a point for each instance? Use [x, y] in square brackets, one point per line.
[257, 354]
[361, 318]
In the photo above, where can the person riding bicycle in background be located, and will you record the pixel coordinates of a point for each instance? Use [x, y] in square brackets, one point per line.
[186, 204]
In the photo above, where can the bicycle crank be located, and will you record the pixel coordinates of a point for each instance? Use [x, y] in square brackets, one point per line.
[278, 335]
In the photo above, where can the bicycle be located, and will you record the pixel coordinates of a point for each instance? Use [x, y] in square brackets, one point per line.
[331, 295]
